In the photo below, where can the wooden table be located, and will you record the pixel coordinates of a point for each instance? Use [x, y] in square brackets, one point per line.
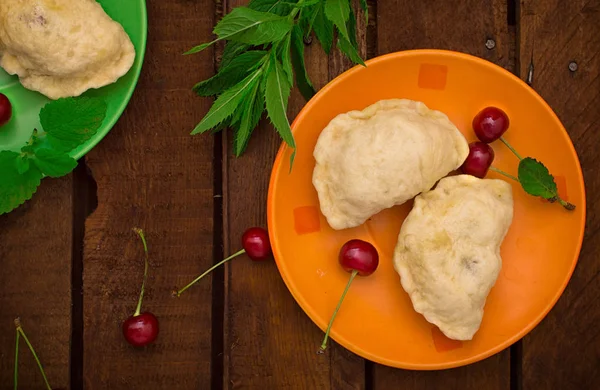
[71, 266]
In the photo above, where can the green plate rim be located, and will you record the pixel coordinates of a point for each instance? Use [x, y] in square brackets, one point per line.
[137, 68]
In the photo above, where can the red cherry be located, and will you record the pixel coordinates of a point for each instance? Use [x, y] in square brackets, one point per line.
[141, 330]
[255, 243]
[479, 160]
[5, 110]
[359, 258]
[490, 123]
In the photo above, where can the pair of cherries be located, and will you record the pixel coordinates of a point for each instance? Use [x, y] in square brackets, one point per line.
[356, 257]
[489, 125]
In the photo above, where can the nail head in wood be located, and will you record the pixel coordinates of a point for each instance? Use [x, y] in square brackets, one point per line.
[308, 40]
[490, 44]
[573, 66]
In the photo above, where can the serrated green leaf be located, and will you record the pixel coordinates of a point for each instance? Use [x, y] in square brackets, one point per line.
[347, 48]
[323, 28]
[53, 163]
[199, 48]
[248, 121]
[252, 27]
[231, 51]
[352, 29]
[338, 11]
[69, 122]
[365, 8]
[278, 7]
[304, 4]
[302, 80]
[232, 74]
[22, 164]
[277, 92]
[226, 103]
[535, 179]
[286, 60]
[15, 188]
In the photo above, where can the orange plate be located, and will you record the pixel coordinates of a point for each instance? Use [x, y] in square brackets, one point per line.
[377, 320]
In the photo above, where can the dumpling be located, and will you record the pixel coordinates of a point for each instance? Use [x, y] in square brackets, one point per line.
[448, 250]
[382, 156]
[62, 48]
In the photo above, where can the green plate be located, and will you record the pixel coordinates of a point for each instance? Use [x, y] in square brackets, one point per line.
[27, 104]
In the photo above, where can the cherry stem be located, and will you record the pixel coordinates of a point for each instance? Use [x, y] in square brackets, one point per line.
[505, 142]
[17, 359]
[138, 309]
[324, 343]
[500, 171]
[178, 293]
[35, 356]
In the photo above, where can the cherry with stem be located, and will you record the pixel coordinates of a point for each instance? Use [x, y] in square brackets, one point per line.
[359, 258]
[255, 243]
[21, 333]
[141, 329]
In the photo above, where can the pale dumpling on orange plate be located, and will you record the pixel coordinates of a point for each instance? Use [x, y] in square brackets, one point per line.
[382, 156]
[448, 251]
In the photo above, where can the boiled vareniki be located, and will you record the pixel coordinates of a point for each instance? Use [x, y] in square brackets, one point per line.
[448, 250]
[62, 47]
[382, 156]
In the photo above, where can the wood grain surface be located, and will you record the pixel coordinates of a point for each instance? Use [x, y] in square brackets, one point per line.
[152, 174]
[35, 285]
[563, 351]
[240, 328]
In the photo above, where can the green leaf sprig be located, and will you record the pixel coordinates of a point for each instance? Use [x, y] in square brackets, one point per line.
[66, 124]
[535, 178]
[264, 53]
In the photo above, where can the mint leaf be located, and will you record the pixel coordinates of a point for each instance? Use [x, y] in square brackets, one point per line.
[15, 188]
[253, 27]
[22, 164]
[277, 92]
[535, 178]
[231, 51]
[302, 80]
[53, 163]
[278, 7]
[347, 48]
[69, 122]
[286, 60]
[352, 29]
[338, 11]
[365, 8]
[249, 119]
[323, 28]
[231, 74]
[226, 103]
[248, 26]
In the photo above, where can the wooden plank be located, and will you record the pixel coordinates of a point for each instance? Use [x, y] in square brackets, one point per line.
[152, 174]
[269, 341]
[563, 352]
[463, 26]
[35, 281]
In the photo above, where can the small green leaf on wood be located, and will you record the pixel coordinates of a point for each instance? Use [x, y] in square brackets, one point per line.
[277, 92]
[15, 188]
[231, 74]
[338, 11]
[226, 103]
[302, 79]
